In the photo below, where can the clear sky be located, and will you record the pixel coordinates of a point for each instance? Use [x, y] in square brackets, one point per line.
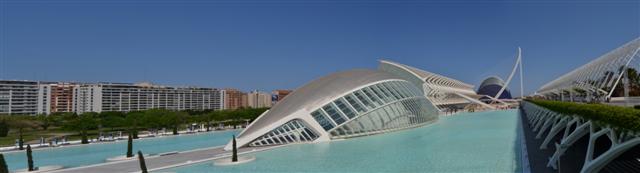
[273, 44]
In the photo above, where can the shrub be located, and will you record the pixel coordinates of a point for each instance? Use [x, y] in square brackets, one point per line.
[143, 165]
[621, 118]
[234, 157]
[130, 146]
[4, 128]
[30, 158]
[3, 165]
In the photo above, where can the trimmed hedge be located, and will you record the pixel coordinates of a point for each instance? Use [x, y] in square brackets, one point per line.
[615, 116]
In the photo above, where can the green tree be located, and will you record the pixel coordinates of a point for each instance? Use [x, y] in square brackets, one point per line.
[170, 119]
[143, 165]
[112, 120]
[82, 124]
[130, 146]
[30, 158]
[133, 121]
[3, 165]
[4, 127]
[154, 118]
[21, 123]
[45, 121]
[209, 117]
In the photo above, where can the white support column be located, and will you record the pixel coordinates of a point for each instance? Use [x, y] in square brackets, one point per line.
[554, 131]
[616, 150]
[551, 119]
[566, 143]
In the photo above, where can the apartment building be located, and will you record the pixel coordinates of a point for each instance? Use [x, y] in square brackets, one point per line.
[257, 99]
[234, 99]
[30, 98]
[87, 98]
[61, 97]
[23, 98]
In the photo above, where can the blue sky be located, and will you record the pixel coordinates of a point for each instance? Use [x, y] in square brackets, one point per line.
[269, 45]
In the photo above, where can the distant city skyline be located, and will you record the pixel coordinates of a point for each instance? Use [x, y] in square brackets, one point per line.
[283, 45]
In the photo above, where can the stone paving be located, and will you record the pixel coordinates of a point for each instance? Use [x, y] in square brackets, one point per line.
[161, 162]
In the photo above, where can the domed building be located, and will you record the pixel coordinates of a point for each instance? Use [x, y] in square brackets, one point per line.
[491, 86]
[341, 105]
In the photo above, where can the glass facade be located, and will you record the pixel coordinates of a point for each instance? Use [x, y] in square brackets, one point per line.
[290, 132]
[397, 115]
[402, 73]
[376, 108]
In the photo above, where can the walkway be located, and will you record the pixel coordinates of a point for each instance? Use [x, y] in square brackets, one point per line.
[537, 158]
[161, 162]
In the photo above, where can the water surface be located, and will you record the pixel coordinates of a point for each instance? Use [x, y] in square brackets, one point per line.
[469, 142]
[74, 156]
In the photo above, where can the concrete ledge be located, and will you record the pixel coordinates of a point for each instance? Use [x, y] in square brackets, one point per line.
[228, 162]
[42, 169]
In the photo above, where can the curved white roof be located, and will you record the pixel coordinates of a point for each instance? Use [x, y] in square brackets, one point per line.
[313, 94]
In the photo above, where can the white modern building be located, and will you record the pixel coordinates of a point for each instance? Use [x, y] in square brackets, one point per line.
[357, 103]
[341, 105]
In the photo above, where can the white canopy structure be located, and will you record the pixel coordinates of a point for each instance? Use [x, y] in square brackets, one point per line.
[598, 78]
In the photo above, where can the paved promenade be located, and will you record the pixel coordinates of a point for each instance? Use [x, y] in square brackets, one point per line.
[161, 162]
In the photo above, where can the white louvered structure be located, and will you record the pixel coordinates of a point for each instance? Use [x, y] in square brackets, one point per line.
[597, 78]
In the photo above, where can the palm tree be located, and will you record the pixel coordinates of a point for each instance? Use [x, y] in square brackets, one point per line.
[82, 124]
[21, 123]
[134, 120]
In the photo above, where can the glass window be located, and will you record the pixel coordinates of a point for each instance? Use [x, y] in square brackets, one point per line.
[401, 90]
[322, 120]
[289, 138]
[311, 134]
[370, 95]
[392, 90]
[364, 99]
[379, 93]
[345, 108]
[355, 104]
[406, 89]
[333, 114]
[386, 92]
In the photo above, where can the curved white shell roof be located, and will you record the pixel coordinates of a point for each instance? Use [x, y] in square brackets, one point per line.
[316, 93]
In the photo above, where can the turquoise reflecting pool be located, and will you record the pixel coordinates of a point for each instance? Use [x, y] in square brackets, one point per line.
[74, 156]
[470, 142]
